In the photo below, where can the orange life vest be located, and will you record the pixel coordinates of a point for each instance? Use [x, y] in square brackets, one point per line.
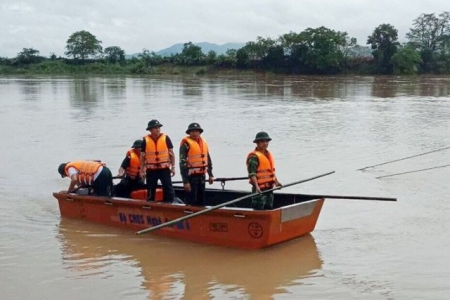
[135, 164]
[156, 153]
[142, 195]
[197, 156]
[86, 170]
[265, 174]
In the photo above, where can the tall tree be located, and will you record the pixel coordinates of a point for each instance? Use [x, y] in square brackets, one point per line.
[258, 50]
[274, 59]
[211, 57]
[242, 59]
[429, 35]
[323, 49]
[289, 41]
[83, 44]
[192, 54]
[429, 31]
[114, 54]
[149, 58]
[227, 60]
[406, 61]
[350, 47]
[384, 43]
[28, 56]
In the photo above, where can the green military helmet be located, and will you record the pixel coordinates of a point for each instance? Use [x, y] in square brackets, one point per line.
[194, 126]
[137, 144]
[61, 169]
[262, 136]
[153, 123]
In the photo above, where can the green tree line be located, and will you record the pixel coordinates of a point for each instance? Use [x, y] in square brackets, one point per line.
[312, 51]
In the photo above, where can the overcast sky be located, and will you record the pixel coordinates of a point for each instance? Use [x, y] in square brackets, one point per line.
[157, 24]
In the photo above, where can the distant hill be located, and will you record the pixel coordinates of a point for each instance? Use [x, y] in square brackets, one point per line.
[206, 47]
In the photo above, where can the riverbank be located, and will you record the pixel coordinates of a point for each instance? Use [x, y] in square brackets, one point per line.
[60, 68]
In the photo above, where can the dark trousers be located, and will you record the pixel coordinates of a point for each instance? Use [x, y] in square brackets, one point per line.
[103, 185]
[163, 175]
[197, 194]
[128, 185]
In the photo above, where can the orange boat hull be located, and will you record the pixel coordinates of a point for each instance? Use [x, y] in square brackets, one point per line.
[233, 227]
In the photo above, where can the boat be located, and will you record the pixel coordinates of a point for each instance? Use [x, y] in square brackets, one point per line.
[236, 225]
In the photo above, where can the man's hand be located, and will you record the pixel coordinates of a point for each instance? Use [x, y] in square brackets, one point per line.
[187, 187]
[74, 190]
[172, 171]
[211, 180]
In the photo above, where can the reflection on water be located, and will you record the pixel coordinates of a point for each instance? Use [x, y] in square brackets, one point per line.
[172, 268]
[116, 87]
[30, 89]
[192, 86]
[85, 93]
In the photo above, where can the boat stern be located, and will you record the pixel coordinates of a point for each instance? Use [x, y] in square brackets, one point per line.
[295, 220]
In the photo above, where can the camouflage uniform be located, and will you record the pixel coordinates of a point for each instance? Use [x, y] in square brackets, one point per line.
[261, 201]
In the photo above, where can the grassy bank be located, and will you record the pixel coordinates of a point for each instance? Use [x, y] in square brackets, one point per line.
[60, 68]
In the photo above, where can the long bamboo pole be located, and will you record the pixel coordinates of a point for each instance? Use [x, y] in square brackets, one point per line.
[391, 161]
[426, 169]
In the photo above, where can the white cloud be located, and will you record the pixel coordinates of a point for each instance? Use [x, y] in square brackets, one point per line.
[136, 24]
[17, 7]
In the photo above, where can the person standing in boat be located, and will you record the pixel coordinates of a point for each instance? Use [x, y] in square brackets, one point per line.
[261, 172]
[195, 162]
[158, 161]
[88, 173]
[130, 172]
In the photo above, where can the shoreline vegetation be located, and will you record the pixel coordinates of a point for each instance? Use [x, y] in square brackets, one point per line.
[314, 51]
[59, 67]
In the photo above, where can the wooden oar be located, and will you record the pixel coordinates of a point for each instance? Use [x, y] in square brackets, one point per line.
[220, 179]
[352, 197]
[201, 212]
[413, 171]
[388, 162]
